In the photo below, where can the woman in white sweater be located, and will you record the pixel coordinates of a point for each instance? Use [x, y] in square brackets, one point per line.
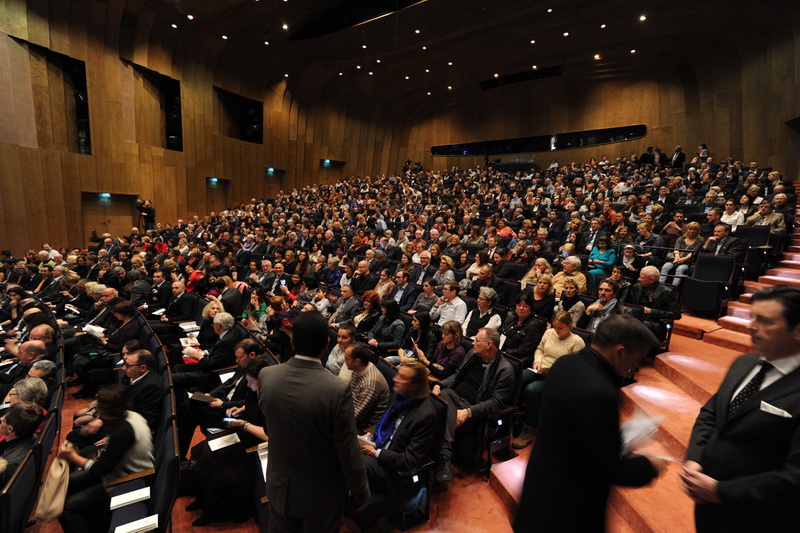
[556, 341]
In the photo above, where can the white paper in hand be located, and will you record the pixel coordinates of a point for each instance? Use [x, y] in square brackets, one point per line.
[638, 426]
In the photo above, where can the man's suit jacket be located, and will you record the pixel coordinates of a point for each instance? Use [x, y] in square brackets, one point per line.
[408, 298]
[221, 354]
[314, 451]
[159, 296]
[362, 283]
[417, 270]
[664, 304]
[754, 454]
[413, 440]
[239, 394]
[730, 246]
[146, 396]
[232, 301]
[774, 221]
[180, 309]
[346, 310]
[568, 479]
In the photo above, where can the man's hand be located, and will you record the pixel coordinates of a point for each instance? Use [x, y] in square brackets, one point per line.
[461, 416]
[215, 403]
[92, 427]
[164, 318]
[437, 389]
[700, 487]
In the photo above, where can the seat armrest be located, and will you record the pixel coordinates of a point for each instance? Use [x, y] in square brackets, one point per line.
[130, 477]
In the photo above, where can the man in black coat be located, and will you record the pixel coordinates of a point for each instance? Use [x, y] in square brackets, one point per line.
[721, 242]
[201, 376]
[407, 292]
[146, 385]
[659, 301]
[576, 457]
[743, 460]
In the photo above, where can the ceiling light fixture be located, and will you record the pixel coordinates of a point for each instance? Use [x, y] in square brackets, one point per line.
[534, 67]
[408, 77]
[427, 70]
[266, 43]
[550, 10]
[174, 25]
[449, 87]
[370, 73]
[566, 34]
[450, 63]
[377, 60]
[363, 46]
[341, 74]
[596, 57]
[190, 17]
[285, 26]
[633, 51]
[429, 93]
[416, 31]
[642, 18]
[533, 41]
[602, 26]
[496, 75]
[285, 75]
[358, 67]
[225, 37]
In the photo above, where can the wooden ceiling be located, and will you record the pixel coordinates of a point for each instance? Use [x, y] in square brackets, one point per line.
[407, 54]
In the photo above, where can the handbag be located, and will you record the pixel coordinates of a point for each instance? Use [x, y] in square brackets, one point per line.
[54, 491]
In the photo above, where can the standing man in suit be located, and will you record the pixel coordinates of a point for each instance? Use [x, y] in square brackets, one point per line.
[742, 465]
[314, 451]
[570, 473]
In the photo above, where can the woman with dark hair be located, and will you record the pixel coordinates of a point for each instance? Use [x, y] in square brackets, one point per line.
[426, 299]
[522, 329]
[366, 319]
[126, 448]
[449, 353]
[224, 479]
[388, 331]
[11, 311]
[420, 336]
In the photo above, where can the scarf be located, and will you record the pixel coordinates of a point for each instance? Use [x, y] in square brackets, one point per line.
[385, 428]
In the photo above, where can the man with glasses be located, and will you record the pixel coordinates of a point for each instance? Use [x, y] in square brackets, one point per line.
[19, 425]
[449, 306]
[482, 386]
[403, 292]
[145, 385]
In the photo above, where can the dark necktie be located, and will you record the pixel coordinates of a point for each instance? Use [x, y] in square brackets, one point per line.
[752, 387]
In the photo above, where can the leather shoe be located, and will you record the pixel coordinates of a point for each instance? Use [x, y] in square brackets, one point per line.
[443, 472]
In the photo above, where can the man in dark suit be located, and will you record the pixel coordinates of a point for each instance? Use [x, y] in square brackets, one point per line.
[403, 292]
[678, 158]
[160, 293]
[721, 242]
[230, 394]
[659, 301]
[590, 236]
[347, 307]
[201, 376]
[743, 460]
[145, 385]
[405, 446]
[231, 298]
[179, 308]
[569, 476]
[364, 280]
[314, 451]
[424, 269]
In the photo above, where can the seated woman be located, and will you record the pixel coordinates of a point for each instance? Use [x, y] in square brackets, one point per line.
[623, 283]
[366, 319]
[224, 479]
[686, 249]
[385, 284]
[449, 354]
[388, 331]
[543, 297]
[444, 274]
[420, 336]
[601, 260]
[32, 390]
[629, 262]
[556, 341]
[426, 299]
[522, 329]
[570, 300]
[256, 308]
[277, 328]
[484, 315]
[126, 448]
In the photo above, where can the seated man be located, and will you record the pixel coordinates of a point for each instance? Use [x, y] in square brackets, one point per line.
[346, 307]
[403, 292]
[201, 376]
[27, 354]
[606, 306]
[723, 243]
[449, 306]
[345, 337]
[570, 268]
[230, 394]
[364, 280]
[370, 391]
[481, 386]
[486, 278]
[19, 425]
[145, 385]
[658, 300]
[404, 437]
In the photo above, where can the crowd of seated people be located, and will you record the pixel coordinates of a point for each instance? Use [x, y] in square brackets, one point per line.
[406, 267]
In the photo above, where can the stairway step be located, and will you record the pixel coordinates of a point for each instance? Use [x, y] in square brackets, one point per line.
[660, 507]
[699, 377]
[730, 339]
[793, 249]
[615, 523]
[778, 280]
[657, 396]
[753, 286]
[744, 298]
[740, 307]
[694, 327]
[791, 257]
[794, 265]
[788, 273]
[734, 323]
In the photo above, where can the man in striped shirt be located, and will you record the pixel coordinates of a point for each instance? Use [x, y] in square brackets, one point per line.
[370, 391]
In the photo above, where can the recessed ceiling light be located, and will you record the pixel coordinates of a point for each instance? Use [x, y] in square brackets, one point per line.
[363, 46]
[429, 93]
[377, 60]
[370, 73]
[602, 26]
[266, 43]
[427, 70]
[596, 56]
[224, 36]
[416, 31]
[450, 63]
[566, 34]
[285, 75]
[533, 41]
[408, 77]
[534, 67]
[341, 74]
[285, 26]
[550, 10]
[449, 87]
[174, 25]
[424, 47]
[358, 67]
[633, 51]
[496, 75]
[190, 17]
[642, 18]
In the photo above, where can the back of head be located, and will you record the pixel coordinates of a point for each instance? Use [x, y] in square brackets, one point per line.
[24, 418]
[625, 330]
[112, 401]
[309, 334]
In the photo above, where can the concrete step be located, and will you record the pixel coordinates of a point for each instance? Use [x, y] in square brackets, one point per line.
[794, 265]
[745, 298]
[793, 249]
[734, 323]
[753, 286]
[778, 280]
[699, 377]
[788, 273]
[660, 507]
[740, 309]
[694, 327]
[791, 257]
[657, 396]
[732, 340]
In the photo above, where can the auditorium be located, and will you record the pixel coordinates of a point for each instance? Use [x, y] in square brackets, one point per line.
[306, 266]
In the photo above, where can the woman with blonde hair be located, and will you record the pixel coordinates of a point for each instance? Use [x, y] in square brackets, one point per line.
[540, 266]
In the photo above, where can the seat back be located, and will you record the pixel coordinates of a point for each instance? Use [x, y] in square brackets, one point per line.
[710, 267]
[18, 496]
[753, 235]
[583, 334]
[165, 485]
[44, 444]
